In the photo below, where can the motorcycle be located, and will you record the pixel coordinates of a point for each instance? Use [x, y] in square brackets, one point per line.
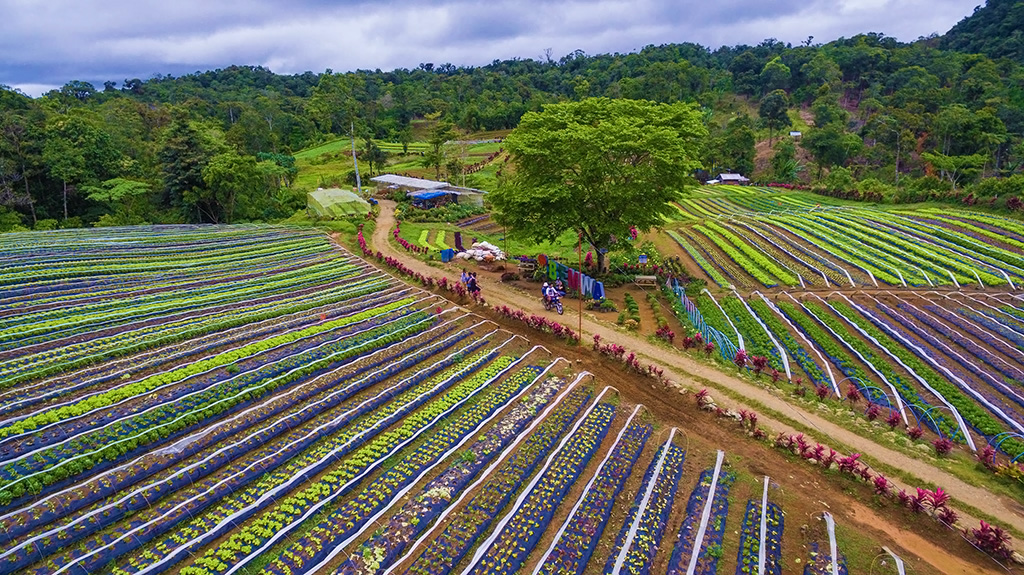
[553, 303]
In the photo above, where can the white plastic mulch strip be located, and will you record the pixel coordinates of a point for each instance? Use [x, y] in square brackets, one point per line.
[371, 522]
[810, 344]
[860, 356]
[764, 528]
[486, 545]
[50, 390]
[771, 336]
[928, 359]
[125, 466]
[620, 560]
[177, 382]
[900, 568]
[586, 490]
[141, 489]
[833, 548]
[183, 415]
[271, 494]
[485, 475]
[705, 514]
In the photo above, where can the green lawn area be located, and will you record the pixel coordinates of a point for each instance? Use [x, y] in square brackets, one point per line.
[484, 149]
[563, 247]
[335, 146]
[319, 166]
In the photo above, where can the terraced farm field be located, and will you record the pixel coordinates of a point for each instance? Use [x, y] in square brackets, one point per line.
[219, 400]
[756, 238]
[920, 310]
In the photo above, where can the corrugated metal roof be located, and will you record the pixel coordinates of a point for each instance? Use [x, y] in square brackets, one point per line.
[732, 177]
[460, 191]
[406, 182]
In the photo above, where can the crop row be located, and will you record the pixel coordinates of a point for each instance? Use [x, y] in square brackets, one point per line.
[29, 367]
[788, 342]
[748, 557]
[1006, 405]
[314, 451]
[520, 530]
[326, 538]
[304, 425]
[578, 537]
[703, 555]
[640, 536]
[53, 464]
[745, 258]
[463, 530]
[709, 269]
[755, 337]
[403, 527]
[76, 383]
[204, 366]
[885, 333]
[727, 265]
[53, 323]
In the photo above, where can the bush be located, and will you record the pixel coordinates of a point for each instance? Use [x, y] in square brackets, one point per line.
[447, 213]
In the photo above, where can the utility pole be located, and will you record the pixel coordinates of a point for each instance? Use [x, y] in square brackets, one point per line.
[355, 162]
[581, 286]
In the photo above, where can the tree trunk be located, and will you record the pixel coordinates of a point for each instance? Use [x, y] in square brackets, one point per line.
[28, 196]
[65, 200]
[897, 159]
[602, 262]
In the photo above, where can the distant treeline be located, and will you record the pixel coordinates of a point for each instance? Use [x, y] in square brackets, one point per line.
[216, 145]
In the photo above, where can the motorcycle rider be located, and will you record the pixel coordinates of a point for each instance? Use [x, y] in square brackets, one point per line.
[549, 293]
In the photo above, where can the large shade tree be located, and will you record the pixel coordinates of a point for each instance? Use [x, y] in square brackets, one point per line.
[597, 166]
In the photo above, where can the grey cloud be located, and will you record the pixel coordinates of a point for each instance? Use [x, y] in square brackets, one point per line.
[49, 43]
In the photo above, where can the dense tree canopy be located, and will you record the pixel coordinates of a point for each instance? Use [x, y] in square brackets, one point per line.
[900, 101]
[598, 166]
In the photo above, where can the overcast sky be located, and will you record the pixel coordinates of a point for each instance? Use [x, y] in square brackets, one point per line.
[46, 43]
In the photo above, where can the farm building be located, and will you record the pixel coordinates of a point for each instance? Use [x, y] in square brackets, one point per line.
[734, 179]
[429, 193]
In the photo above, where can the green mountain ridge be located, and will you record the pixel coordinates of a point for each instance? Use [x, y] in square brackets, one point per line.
[880, 118]
[995, 29]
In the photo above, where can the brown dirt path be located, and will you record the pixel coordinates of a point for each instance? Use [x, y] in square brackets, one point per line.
[687, 371]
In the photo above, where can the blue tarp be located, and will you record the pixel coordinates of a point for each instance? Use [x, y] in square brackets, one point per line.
[427, 195]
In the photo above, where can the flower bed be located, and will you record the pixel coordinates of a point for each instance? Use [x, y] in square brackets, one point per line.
[174, 417]
[820, 562]
[359, 427]
[415, 516]
[461, 534]
[143, 496]
[640, 537]
[307, 552]
[578, 539]
[506, 549]
[750, 540]
[711, 546]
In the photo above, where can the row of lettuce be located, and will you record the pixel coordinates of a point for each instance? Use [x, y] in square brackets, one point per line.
[914, 358]
[856, 247]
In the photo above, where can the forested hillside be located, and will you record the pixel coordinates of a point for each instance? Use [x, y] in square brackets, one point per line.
[879, 119]
[995, 29]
